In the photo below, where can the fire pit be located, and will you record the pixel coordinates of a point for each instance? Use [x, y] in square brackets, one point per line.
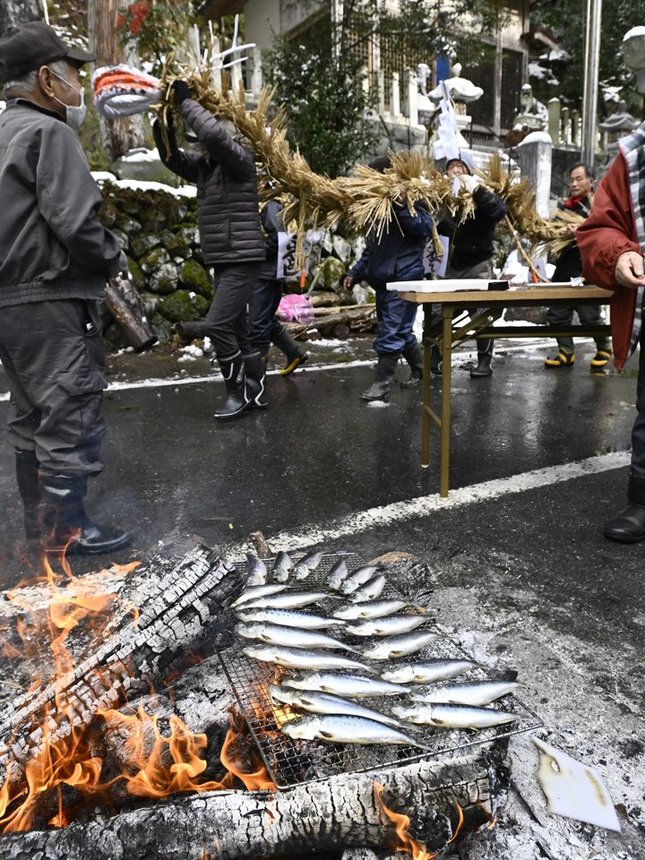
[328, 794]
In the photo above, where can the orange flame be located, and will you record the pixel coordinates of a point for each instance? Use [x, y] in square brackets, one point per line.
[155, 764]
[68, 761]
[460, 822]
[161, 765]
[401, 822]
[9, 651]
[253, 780]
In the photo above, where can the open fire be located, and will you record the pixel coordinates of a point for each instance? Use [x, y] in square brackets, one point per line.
[60, 769]
[155, 764]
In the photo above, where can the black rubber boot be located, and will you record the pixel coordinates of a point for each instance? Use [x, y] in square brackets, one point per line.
[385, 367]
[628, 526]
[414, 357]
[29, 489]
[189, 330]
[64, 524]
[295, 353]
[232, 368]
[254, 382]
[484, 359]
[435, 360]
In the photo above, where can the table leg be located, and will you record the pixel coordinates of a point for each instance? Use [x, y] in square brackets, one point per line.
[425, 393]
[446, 382]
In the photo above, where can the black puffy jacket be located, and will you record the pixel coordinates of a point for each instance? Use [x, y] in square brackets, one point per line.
[471, 241]
[228, 214]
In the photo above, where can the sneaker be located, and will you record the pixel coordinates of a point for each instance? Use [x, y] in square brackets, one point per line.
[600, 359]
[562, 359]
[294, 363]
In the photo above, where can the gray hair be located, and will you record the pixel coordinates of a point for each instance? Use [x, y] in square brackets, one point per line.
[27, 83]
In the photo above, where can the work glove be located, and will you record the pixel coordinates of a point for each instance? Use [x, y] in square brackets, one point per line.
[181, 91]
[468, 182]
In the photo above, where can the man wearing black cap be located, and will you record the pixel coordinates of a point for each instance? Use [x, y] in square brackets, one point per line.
[55, 257]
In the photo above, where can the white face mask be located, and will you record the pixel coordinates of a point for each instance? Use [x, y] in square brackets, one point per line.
[74, 115]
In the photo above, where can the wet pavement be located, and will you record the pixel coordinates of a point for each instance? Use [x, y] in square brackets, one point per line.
[518, 569]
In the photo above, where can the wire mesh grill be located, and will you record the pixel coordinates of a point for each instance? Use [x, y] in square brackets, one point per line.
[291, 762]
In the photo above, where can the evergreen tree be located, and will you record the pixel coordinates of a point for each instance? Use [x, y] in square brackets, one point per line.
[566, 19]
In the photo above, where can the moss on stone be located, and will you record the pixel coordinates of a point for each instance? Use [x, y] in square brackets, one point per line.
[194, 276]
[183, 305]
[136, 274]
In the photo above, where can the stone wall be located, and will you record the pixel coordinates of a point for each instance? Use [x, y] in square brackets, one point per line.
[158, 232]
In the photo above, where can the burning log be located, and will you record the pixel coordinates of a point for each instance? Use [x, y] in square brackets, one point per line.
[348, 811]
[190, 596]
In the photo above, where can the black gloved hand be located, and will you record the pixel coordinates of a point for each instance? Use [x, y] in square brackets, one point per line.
[181, 91]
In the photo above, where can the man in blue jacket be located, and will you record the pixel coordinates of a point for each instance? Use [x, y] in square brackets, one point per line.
[394, 255]
[55, 257]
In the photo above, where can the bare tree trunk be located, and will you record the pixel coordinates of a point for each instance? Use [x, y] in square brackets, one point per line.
[119, 135]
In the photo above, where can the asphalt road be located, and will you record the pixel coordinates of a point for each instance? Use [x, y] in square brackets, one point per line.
[516, 562]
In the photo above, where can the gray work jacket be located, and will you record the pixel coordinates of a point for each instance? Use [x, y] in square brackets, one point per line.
[52, 245]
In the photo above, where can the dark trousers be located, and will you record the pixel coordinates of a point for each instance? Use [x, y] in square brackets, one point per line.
[395, 320]
[226, 322]
[54, 358]
[638, 430]
[263, 324]
[588, 314]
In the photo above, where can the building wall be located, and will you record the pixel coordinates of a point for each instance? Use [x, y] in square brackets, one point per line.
[294, 13]
[500, 73]
[262, 22]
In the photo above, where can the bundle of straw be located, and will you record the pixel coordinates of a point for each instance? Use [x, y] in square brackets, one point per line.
[363, 201]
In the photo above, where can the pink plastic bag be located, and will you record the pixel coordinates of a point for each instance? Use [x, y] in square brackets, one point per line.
[294, 307]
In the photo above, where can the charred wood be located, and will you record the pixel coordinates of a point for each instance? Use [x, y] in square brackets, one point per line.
[134, 653]
[340, 813]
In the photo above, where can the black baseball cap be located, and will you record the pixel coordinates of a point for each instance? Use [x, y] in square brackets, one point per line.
[32, 45]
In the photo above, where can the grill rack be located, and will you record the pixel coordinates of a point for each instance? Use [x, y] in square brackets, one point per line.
[291, 762]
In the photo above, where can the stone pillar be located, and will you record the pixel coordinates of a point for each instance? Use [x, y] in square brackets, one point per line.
[554, 120]
[236, 77]
[380, 91]
[216, 67]
[395, 101]
[256, 74]
[413, 113]
[535, 165]
[566, 126]
[575, 128]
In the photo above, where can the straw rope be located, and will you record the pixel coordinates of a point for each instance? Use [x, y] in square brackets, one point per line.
[363, 201]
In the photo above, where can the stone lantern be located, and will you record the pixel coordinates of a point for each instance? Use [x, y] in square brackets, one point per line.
[618, 124]
[634, 55]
